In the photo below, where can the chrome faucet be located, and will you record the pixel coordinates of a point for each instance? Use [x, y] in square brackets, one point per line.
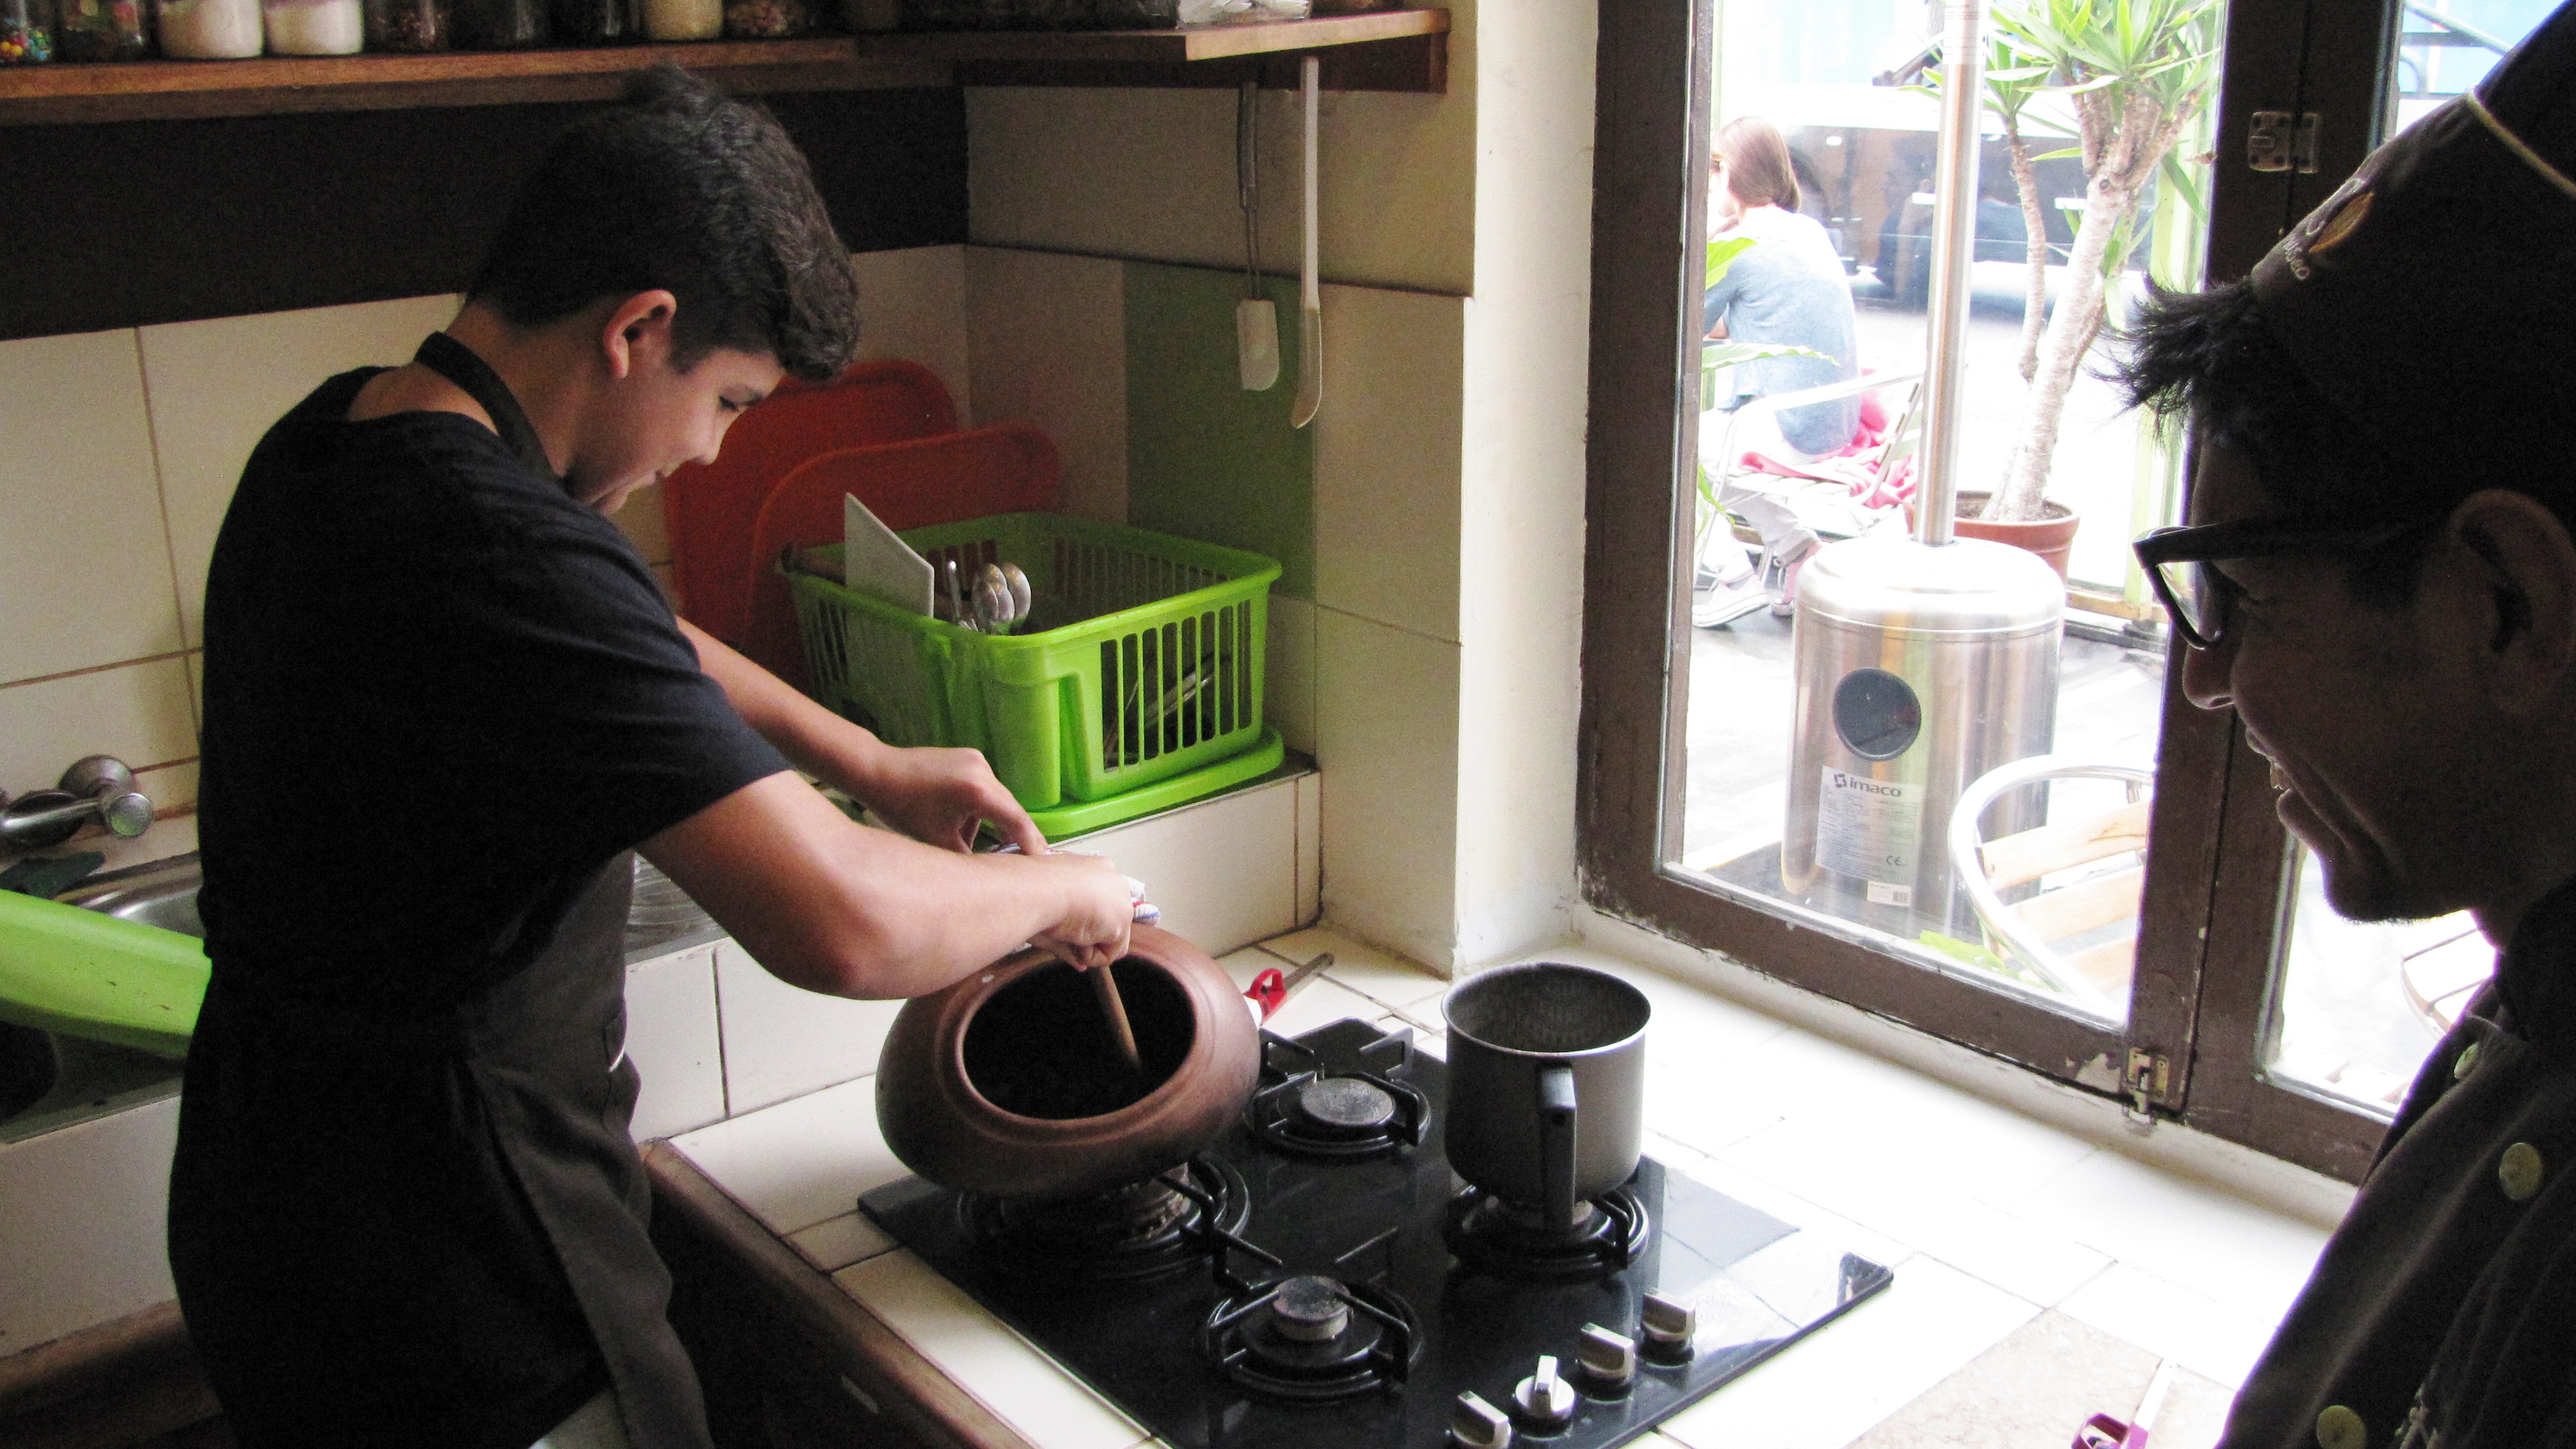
[98, 788]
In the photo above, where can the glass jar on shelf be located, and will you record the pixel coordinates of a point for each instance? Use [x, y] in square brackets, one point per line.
[501, 24]
[409, 27]
[209, 29]
[314, 27]
[683, 19]
[596, 22]
[93, 30]
[26, 32]
[766, 19]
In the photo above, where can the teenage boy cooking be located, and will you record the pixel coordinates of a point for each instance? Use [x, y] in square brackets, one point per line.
[405, 1209]
[2380, 580]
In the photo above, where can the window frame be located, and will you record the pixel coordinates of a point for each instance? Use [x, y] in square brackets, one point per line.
[2215, 900]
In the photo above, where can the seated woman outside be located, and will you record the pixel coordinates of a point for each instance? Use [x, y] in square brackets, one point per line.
[1788, 288]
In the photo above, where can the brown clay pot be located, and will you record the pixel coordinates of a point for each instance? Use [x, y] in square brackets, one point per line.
[1008, 1083]
[2052, 536]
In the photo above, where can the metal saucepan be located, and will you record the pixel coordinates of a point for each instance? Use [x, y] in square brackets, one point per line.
[1547, 1084]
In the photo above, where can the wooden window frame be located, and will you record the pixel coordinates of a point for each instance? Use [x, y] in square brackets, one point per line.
[2214, 902]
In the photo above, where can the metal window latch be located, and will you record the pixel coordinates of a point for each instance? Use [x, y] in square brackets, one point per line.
[2149, 1077]
[2280, 141]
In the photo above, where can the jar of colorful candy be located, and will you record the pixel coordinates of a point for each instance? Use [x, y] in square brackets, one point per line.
[26, 32]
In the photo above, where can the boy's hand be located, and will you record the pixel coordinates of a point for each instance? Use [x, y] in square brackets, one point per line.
[1092, 929]
[940, 796]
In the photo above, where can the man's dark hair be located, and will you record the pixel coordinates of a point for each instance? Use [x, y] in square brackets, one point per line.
[2208, 355]
[681, 188]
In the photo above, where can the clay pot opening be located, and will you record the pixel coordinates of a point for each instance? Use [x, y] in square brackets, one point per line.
[1040, 1048]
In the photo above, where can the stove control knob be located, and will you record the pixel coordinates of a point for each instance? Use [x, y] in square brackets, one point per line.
[1475, 1424]
[1545, 1401]
[1606, 1362]
[1667, 1329]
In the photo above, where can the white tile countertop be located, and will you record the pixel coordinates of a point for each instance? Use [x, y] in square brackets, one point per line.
[2040, 1277]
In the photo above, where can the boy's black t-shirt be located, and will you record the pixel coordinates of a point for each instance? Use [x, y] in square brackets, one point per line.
[438, 691]
[441, 698]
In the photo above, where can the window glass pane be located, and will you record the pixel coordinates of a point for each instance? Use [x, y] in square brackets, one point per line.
[1840, 701]
[2446, 46]
[2357, 1004]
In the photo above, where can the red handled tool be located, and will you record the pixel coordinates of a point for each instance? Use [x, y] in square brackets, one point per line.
[1269, 990]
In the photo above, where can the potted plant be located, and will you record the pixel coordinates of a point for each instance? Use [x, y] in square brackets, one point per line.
[2133, 73]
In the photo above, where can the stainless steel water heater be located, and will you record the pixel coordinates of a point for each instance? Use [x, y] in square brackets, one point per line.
[1923, 662]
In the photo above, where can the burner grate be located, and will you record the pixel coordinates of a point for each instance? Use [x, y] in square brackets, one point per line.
[1143, 1230]
[1490, 1235]
[1310, 1337]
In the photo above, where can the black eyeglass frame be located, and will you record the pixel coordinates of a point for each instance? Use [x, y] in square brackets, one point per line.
[2277, 536]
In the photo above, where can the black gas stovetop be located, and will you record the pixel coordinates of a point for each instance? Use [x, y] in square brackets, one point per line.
[1316, 1277]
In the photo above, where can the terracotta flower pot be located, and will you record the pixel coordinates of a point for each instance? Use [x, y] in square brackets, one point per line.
[2052, 536]
[1007, 1083]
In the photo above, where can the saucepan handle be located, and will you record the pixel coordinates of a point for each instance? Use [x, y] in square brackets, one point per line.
[1556, 1144]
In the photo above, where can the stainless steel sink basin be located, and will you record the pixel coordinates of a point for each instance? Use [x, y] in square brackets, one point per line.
[162, 893]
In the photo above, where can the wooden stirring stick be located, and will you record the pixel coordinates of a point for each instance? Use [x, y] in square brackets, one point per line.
[1103, 982]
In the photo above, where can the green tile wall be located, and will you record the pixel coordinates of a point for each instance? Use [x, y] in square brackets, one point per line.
[1206, 459]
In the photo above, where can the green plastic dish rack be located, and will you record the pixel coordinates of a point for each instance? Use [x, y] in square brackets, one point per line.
[84, 974]
[1149, 697]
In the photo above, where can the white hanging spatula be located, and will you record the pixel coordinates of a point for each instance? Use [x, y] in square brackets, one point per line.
[1310, 293]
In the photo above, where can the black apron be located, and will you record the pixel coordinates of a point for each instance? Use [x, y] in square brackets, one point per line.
[391, 1230]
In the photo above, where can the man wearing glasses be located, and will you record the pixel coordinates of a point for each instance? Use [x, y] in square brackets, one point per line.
[2379, 577]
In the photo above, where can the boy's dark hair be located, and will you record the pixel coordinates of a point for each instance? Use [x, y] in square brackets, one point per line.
[2208, 355]
[681, 188]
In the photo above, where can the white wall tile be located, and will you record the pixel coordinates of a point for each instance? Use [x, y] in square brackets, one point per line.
[798, 1163]
[782, 1041]
[1224, 871]
[1310, 848]
[84, 1213]
[136, 712]
[984, 1357]
[1404, 986]
[912, 305]
[1049, 339]
[1387, 457]
[1827, 1390]
[216, 386]
[84, 559]
[1386, 737]
[836, 1243]
[171, 789]
[1288, 672]
[671, 1037]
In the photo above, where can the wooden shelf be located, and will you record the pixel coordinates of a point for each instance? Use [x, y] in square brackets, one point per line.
[1395, 50]
[1386, 50]
[194, 89]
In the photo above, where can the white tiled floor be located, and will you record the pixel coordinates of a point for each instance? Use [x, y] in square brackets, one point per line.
[1990, 1219]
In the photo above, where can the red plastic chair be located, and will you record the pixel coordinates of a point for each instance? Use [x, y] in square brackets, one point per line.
[712, 508]
[1008, 468]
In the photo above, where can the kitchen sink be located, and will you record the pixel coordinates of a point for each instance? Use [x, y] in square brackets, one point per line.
[163, 893]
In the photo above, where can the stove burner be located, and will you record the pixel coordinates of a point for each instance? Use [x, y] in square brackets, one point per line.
[1142, 1230]
[1311, 1338]
[1490, 1235]
[1337, 1108]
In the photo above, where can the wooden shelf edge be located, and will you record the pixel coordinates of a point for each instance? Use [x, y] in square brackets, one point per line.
[1198, 43]
[197, 90]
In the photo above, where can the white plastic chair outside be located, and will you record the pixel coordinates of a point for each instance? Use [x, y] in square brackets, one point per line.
[2027, 931]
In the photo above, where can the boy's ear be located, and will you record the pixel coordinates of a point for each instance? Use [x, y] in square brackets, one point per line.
[636, 328]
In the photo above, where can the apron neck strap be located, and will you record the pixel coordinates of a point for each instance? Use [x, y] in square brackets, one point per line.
[457, 363]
